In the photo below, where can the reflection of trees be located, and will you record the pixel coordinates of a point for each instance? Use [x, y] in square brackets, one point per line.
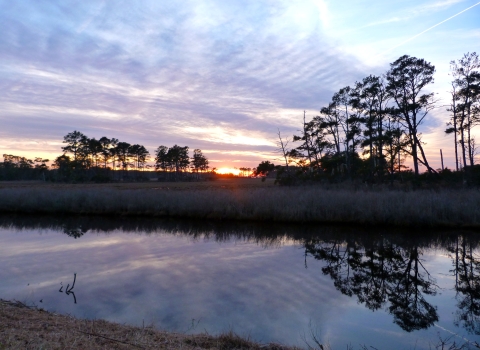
[377, 272]
[411, 281]
[372, 277]
[75, 232]
[380, 268]
[466, 269]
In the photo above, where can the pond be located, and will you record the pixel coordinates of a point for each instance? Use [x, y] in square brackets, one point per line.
[389, 289]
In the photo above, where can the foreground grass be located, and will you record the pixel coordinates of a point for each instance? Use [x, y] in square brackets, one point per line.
[451, 208]
[220, 184]
[28, 328]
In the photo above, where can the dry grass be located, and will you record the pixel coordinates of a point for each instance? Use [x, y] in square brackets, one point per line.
[220, 184]
[22, 327]
[450, 208]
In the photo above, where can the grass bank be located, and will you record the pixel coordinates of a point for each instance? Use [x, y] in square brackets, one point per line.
[22, 327]
[446, 208]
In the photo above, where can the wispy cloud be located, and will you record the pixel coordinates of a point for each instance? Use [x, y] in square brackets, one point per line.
[199, 73]
[430, 28]
[162, 74]
[416, 11]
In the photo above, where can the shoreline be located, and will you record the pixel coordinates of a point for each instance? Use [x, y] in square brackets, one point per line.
[24, 327]
[432, 209]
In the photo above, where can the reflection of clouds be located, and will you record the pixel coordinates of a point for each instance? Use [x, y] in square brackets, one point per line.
[231, 281]
[34, 249]
[169, 280]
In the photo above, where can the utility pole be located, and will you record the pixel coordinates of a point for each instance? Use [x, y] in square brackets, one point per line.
[441, 157]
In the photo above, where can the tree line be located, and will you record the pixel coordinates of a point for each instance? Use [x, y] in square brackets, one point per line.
[366, 132]
[369, 129]
[21, 168]
[107, 159]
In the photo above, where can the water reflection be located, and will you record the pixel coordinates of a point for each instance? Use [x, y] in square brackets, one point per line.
[69, 291]
[466, 269]
[268, 234]
[74, 232]
[378, 272]
[415, 280]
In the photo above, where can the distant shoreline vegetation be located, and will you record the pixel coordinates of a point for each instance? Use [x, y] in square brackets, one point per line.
[107, 160]
[446, 208]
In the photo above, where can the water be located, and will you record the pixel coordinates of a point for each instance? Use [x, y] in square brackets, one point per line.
[274, 283]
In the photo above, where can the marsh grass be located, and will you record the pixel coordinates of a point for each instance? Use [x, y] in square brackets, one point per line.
[455, 208]
[24, 327]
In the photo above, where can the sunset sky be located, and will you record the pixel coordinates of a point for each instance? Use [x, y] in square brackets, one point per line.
[219, 75]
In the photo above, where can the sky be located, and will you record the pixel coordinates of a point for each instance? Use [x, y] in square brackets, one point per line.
[222, 76]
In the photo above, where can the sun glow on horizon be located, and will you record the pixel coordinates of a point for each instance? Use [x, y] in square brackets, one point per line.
[225, 170]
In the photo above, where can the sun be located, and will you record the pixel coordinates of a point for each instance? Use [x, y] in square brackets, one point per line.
[233, 171]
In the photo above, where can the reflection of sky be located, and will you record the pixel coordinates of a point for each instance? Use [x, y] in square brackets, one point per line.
[169, 280]
[216, 75]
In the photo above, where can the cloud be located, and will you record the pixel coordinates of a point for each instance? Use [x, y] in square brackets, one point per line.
[199, 74]
[436, 25]
[414, 12]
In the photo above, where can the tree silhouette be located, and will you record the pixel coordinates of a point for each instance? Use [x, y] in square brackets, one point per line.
[122, 151]
[175, 160]
[383, 115]
[179, 158]
[395, 141]
[263, 169]
[94, 149]
[64, 166]
[453, 126]
[18, 168]
[113, 152]
[140, 155]
[371, 99]
[406, 79]
[161, 158]
[465, 103]
[75, 142]
[329, 120]
[342, 101]
[199, 161]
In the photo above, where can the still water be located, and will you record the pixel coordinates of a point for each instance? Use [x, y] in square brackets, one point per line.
[274, 283]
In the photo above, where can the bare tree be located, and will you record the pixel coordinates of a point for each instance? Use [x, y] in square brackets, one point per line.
[407, 77]
[466, 73]
[282, 148]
